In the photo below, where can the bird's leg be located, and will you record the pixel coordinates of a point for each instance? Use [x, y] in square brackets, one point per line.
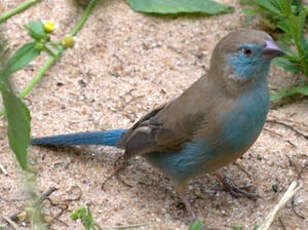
[234, 190]
[180, 189]
[188, 206]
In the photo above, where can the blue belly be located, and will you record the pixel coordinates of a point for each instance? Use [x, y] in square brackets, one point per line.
[239, 131]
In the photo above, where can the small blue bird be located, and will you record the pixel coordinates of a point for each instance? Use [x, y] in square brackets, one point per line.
[209, 125]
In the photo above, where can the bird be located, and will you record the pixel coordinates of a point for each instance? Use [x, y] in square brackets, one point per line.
[211, 124]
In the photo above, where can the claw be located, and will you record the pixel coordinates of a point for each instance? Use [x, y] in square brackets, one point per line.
[230, 187]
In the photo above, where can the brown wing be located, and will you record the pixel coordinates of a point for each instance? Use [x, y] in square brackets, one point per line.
[166, 128]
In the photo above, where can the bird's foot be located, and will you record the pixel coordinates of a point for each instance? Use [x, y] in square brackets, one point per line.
[234, 190]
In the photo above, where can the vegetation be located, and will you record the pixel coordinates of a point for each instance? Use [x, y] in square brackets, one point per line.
[286, 17]
[289, 19]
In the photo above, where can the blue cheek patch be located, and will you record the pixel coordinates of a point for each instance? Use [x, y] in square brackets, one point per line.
[246, 67]
[241, 66]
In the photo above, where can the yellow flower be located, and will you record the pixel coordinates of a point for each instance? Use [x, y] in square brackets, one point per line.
[49, 26]
[68, 41]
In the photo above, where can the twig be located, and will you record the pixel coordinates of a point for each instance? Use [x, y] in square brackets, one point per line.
[299, 175]
[292, 164]
[293, 198]
[272, 132]
[60, 221]
[242, 169]
[77, 197]
[123, 164]
[290, 143]
[3, 170]
[56, 217]
[294, 210]
[292, 190]
[11, 222]
[64, 205]
[124, 226]
[300, 172]
[43, 197]
[17, 10]
[288, 126]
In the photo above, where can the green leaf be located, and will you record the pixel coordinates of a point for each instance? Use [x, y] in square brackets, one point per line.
[78, 213]
[304, 41]
[285, 40]
[284, 26]
[266, 4]
[250, 11]
[248, 2]
[249, 18]
[18, 117]
[284, 43]
[250, 14]
[179, 6]
[256, 227]
[36, 30]
[287, 65]
[289, 92]
[196, 226]
[85, 215]
[23, 56]
[296, 24]
[296, 6]
[283, 6]
[236, 228]
[290, 17]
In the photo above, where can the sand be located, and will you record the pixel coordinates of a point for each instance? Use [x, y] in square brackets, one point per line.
[123, 65]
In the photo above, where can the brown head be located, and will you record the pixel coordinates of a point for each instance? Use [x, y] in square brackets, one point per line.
[242, 58]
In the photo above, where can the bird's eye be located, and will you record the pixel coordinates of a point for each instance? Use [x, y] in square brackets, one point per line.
[246, 51]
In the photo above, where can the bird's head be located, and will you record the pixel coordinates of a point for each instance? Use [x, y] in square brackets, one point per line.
[242, 59]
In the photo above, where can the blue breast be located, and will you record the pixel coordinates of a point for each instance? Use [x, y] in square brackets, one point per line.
[246, 121]
[240, 129]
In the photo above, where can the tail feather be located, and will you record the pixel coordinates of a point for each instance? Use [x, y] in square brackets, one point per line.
[108, 138]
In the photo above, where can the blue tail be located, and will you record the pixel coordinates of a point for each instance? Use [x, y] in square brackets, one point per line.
[108, 138]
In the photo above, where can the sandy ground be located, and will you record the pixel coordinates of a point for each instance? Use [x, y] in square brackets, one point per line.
[125, 64]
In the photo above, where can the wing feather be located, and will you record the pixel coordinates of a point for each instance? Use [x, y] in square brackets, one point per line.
[168, 127]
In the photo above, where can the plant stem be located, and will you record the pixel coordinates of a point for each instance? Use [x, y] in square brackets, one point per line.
[49, 51]
[57, 54]
[83, 18]
[39, 75]
[17, 10]
[124, 226]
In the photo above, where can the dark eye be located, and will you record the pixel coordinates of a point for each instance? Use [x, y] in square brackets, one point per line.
[246, 51]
